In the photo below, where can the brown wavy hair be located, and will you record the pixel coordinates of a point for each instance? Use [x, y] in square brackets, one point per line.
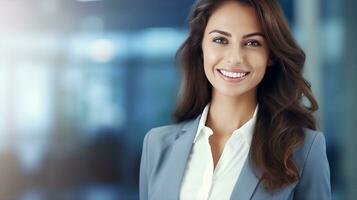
[282, 94]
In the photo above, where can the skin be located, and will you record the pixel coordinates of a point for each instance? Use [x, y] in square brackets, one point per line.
[232, 104]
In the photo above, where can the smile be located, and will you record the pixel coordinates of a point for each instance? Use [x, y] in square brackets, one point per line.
[232, 76]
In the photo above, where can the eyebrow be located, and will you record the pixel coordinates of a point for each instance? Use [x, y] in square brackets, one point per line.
[244, 36]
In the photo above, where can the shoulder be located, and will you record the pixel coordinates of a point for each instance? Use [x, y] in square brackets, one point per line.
[163, 133]
[313, 145]
[157, 143]
[313, 140]
[159, 138]
[312, 135]
[311, 157]
[314, 169]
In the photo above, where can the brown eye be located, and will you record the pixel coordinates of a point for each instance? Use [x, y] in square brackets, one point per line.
[220, 40]
[253, 43]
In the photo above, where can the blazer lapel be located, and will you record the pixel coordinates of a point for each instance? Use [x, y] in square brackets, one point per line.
[177, 161]
[176, 165]
[247, 182]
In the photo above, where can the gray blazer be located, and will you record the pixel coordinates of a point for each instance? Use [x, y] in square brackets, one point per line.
[166, 150]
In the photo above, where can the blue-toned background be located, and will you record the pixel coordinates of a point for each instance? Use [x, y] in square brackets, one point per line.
[82, 81]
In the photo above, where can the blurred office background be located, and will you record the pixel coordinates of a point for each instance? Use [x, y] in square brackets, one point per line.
[82, 81]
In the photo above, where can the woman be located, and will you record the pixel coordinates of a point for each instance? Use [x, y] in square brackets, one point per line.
[242, 130]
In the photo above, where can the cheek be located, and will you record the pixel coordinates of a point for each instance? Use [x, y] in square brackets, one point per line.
[258, 61]
[210, 57]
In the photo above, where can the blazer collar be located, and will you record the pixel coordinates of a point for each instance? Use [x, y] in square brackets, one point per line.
[181, 149]
[176, 163]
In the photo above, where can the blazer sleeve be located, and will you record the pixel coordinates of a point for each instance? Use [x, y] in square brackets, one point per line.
[143, 176]
[314, 182]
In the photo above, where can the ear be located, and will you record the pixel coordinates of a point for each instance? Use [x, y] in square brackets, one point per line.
[270, 62]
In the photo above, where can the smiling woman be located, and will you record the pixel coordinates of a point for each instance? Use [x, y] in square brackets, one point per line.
[234, 50]
[242, 130]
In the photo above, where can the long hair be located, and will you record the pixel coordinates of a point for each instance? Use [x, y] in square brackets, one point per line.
[282, 114]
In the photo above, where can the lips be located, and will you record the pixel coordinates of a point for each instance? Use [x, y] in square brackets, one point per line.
[234, 70]
[233, 75]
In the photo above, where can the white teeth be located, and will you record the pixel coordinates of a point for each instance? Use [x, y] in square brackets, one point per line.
[232, 74]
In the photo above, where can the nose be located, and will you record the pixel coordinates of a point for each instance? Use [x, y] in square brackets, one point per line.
[234, 55]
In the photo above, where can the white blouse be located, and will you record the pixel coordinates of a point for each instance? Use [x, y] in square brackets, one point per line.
[200, 181]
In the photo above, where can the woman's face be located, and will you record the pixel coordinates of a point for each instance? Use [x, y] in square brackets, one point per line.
[235, 53]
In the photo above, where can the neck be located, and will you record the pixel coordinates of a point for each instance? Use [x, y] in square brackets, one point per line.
[228, 113]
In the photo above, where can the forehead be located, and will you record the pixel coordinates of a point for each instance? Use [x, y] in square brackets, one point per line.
[234, 17]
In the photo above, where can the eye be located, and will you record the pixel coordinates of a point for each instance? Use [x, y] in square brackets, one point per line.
[253, 43]
[220, 40]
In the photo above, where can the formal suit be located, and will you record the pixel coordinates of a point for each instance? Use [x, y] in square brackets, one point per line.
[166, 150]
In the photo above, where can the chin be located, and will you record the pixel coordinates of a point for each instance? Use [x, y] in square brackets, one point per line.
[230, 93]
